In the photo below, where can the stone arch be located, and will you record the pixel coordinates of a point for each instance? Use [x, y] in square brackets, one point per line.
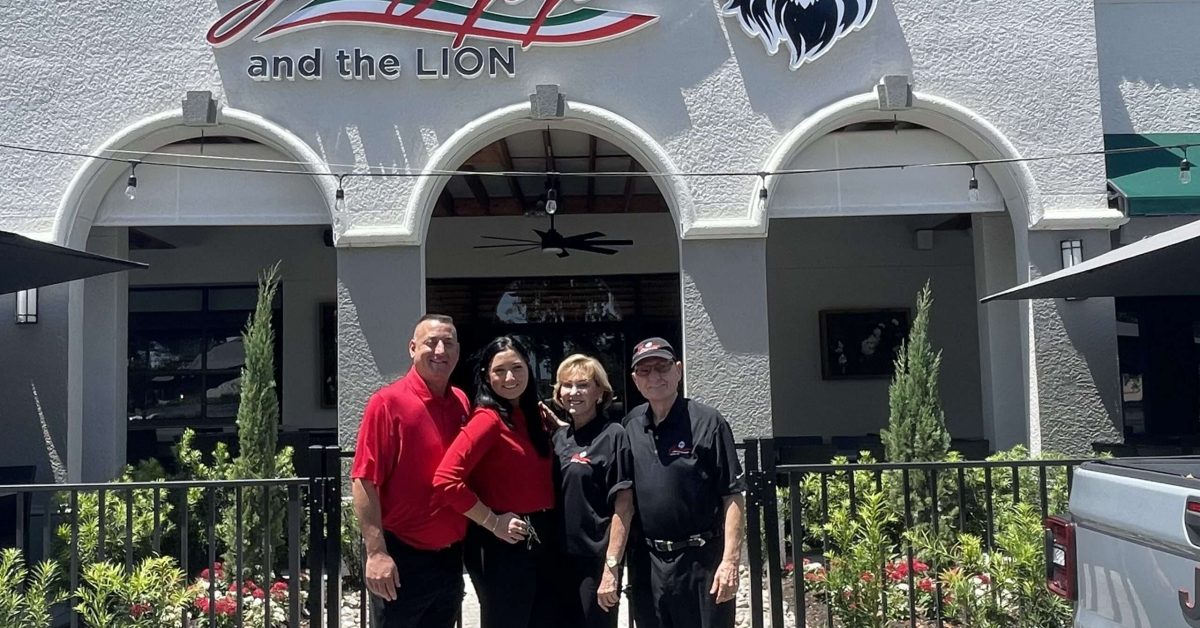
[982, 140]
[77, 208]
[76, 211]
[516, 118]
[969, 129]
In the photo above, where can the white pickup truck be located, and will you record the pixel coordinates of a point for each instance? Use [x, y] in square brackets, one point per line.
[1128, 553]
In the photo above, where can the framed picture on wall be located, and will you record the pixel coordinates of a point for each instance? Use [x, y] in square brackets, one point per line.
[861, 344]
[328, 345]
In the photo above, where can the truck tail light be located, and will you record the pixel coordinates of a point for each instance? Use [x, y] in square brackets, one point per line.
[1060, 557]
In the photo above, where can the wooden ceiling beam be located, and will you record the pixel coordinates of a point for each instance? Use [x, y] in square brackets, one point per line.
[478, 189]
[514, 185]
[591, 182]
[638, 203]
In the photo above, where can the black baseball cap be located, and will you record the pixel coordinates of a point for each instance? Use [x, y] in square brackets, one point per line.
[653, 348]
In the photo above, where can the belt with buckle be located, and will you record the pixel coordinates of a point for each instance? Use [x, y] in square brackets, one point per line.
[695, 540]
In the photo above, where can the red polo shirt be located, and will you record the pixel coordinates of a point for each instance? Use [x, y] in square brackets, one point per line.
[497, 465]
[404, 433]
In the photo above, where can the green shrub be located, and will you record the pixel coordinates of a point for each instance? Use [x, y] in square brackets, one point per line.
[87, 517]
[27, 596]
[153, 595]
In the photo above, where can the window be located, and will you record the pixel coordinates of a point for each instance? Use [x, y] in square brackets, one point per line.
[186, 353]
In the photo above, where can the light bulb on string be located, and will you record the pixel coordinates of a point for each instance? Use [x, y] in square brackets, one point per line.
[973, 187]
[1185, 169]
[551, 201]
[339, 197]
[762, 192]
[131, 183]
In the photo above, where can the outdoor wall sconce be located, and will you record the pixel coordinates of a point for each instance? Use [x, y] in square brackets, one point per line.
[1072, 252]
[27, 306]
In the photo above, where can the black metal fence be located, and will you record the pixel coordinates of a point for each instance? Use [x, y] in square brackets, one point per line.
[794, 511]
[298, 528]
[259, 552]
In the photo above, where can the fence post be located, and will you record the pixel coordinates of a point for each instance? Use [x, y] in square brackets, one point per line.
[316, 536]
[754, 480]
[333, 536]
[770, 505]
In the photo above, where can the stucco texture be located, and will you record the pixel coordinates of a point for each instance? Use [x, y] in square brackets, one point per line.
[693, 81]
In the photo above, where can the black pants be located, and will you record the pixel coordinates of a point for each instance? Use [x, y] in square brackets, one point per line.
[431, 587]
[581, 578]
[516, 584]
[641, 597]
[680, 582]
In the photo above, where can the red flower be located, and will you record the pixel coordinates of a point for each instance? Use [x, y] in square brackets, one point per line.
[226, 606]
[866, 576]
[920, 567]
[790, 566]
[202, 604]
[985, 579]
[258, 593]
[925, 585]
[205, 575]
[138, 609]
[279, 587]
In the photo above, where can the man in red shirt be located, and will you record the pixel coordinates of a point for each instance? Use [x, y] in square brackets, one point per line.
[414, 550]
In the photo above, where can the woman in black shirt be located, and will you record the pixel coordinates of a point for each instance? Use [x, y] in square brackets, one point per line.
[594, 474]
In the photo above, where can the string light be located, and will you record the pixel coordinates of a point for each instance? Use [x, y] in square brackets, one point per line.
[973, 187]
[762, 192]
[385, 171]
[1185, 169]
[131, 183]
[551, 201]
[339, 197]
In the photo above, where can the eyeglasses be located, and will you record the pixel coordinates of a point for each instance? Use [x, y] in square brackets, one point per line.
[662, 368]
[532, 535]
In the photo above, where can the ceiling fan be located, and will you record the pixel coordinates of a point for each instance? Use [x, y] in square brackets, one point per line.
[555, 243]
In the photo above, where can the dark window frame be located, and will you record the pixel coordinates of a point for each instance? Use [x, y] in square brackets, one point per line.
[209, 322]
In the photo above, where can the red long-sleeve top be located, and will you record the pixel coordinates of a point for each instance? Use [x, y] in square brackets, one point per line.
[493, 463]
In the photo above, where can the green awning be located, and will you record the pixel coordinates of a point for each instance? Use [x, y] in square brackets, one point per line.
[1147, 182]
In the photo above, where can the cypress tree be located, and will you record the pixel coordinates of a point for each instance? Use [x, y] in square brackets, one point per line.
[916, 429]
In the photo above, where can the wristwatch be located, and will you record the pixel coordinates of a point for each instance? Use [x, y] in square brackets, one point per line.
[611, 562]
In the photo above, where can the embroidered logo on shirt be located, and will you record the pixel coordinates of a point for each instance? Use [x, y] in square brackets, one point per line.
[680, 449]
[581, 457]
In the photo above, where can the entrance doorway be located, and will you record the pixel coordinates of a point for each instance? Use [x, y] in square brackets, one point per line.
[491, 265]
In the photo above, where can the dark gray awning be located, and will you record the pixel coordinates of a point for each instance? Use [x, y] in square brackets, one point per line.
[1167, 264]
[27, 263]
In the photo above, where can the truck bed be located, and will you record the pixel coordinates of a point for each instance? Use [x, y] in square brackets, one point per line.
[1181, 467]
[1137, 549]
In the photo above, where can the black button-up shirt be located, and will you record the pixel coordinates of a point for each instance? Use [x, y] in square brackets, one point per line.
[683, 468]
[593, 464]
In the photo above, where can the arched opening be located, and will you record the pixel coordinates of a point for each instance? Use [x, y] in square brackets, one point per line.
[583, 262]
[159, 350]
[847, 254]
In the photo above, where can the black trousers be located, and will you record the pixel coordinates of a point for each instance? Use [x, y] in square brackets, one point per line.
[581, 578]
[517, 584]
[641, 596]
[431, 587]
[680, 582]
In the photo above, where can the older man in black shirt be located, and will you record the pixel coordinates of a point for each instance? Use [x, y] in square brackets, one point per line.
[688, 486]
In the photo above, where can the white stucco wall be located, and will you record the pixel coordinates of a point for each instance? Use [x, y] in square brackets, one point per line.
[863, 263]
[694, 82]
[691, 92]
[1149, 75]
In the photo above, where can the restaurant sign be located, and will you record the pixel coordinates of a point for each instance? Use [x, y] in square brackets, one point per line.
[574, 27]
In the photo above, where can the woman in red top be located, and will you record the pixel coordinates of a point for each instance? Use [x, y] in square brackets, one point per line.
[498, 472]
